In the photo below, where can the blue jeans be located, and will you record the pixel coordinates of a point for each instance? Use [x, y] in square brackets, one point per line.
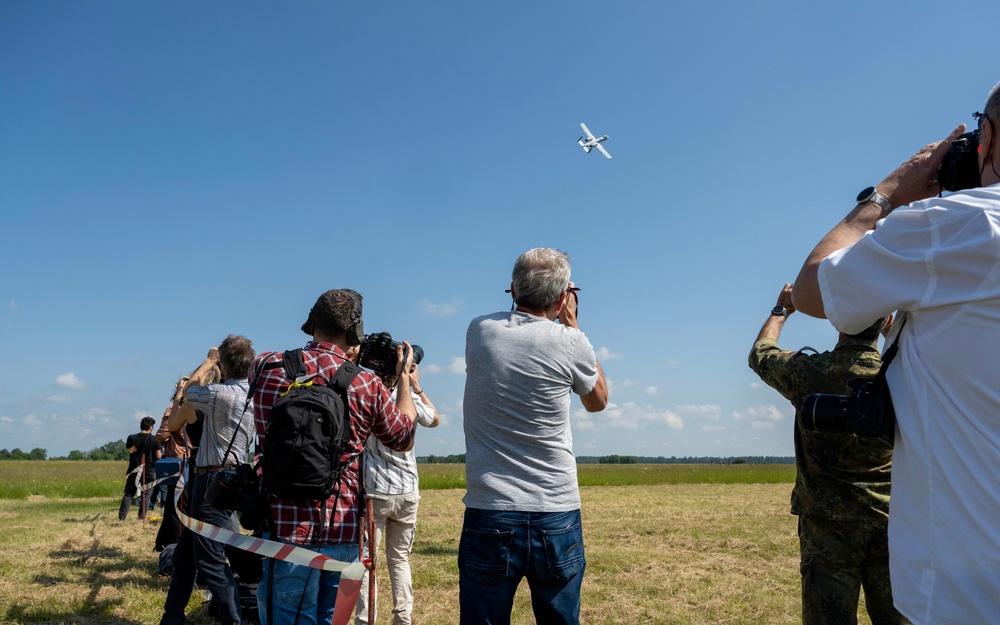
[196, 554]
[300, 590]
[498, 548]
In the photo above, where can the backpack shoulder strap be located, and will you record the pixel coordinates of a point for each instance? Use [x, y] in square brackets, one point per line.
[344, 376]
[295, 365]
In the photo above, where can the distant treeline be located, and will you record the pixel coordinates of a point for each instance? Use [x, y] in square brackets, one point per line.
[115, 450]
[685, 460]
[616, 459]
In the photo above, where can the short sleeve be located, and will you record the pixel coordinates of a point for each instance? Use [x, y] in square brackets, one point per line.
[583, 366]
[885, 270]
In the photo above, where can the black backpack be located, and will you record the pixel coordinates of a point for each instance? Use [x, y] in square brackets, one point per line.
[307, 432]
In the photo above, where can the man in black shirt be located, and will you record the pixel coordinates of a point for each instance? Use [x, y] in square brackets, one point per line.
[142, 448]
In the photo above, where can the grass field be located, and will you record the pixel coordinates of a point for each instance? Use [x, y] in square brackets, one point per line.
[60, 479]
[720, 551]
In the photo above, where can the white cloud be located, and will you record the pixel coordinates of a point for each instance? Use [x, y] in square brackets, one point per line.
[631, 416]
[446, 309]
[604, 353]
[713, 428]
[760, 417]
[755, 385]
[6, 420]
[32, 421]
[69, 380]
[457, 365]
[60, 399]
[629, 383]
[704, 411]
[651, 391]
[430, 369]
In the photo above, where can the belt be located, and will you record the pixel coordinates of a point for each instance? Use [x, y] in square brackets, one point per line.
[212, 469]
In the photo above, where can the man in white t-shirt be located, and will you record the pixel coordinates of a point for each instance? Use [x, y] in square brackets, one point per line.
[522, 502]
[937, 261]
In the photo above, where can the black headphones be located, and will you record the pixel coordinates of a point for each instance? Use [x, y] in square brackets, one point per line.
[353, 335]
[356, 333]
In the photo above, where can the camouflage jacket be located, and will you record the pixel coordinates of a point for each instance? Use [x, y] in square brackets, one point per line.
[838, 476]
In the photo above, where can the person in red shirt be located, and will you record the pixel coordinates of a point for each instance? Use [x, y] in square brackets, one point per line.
[298, 593]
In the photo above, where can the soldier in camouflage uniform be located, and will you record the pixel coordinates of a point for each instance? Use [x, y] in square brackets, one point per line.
[841, 493]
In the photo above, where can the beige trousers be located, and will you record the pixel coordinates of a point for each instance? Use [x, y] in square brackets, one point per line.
[396, 520]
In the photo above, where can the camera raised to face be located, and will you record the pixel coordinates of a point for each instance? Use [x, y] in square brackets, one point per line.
[867, 411]
[378, 353]
[960, 167]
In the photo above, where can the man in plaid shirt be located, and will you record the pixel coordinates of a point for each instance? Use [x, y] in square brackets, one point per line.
[327, 526]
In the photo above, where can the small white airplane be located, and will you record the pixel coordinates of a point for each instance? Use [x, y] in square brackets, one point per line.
[592, 142]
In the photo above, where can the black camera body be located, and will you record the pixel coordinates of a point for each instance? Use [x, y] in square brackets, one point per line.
[378, 353]
[239, 490]
[960, 167]
[867, 411]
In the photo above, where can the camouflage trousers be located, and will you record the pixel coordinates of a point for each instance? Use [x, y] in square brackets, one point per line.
[837, 560]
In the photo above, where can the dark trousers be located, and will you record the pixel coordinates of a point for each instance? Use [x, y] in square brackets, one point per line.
[130, 493]
[196, 553]
[837, 560]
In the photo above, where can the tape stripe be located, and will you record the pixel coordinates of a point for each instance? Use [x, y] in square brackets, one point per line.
[350, 572]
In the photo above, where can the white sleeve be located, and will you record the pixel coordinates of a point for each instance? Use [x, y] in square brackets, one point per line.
[887, 269]
[425, 416]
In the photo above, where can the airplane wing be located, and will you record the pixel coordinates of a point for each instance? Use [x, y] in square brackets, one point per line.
[586, 131]
[602, 150]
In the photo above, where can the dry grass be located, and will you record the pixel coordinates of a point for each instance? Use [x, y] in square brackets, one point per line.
[677, 554]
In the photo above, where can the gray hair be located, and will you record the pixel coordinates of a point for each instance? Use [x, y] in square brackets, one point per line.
[992, 109]
[539, 277]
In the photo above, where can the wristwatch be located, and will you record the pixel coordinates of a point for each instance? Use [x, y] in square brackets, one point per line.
[871, 194]
[779, 311]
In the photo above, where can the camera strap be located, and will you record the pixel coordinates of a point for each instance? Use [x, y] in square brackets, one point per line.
[261, 368]
[889, 355]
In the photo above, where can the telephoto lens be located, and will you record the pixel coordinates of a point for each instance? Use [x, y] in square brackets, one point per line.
[826, 412]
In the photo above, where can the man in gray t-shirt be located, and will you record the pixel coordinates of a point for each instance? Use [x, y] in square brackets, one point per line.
[522, 515]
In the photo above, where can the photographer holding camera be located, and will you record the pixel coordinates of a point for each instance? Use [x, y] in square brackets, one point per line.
[522, 369]
[935, 260]
[841, 492]
[392, 482]
[222, 406]
[290, 593]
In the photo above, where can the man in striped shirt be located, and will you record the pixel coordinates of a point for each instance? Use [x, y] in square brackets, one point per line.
[392, 482]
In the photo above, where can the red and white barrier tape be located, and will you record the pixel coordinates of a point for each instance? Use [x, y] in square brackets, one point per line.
[350, 572]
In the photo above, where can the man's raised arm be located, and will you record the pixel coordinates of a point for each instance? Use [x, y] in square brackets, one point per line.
[916, 179]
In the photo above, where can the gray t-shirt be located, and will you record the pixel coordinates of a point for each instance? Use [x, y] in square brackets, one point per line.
[520, 371]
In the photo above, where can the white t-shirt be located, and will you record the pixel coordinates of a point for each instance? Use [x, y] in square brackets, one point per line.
[521, 373]
[937, 261]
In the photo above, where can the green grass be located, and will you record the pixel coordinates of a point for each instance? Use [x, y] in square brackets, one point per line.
[61, 479]
[80, 479]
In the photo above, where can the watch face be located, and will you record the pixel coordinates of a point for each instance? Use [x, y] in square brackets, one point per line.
[866, 195]
[778, 310]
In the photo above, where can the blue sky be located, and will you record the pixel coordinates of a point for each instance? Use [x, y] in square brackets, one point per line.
[174, 172]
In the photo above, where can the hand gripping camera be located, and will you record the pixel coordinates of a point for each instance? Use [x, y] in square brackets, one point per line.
[960, 167]
[378, 353]
[867, 411]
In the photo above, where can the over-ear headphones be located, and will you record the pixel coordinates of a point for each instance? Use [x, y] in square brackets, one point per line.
[356, 333]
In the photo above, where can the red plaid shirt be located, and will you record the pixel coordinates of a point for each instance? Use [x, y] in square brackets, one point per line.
[335, 520]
